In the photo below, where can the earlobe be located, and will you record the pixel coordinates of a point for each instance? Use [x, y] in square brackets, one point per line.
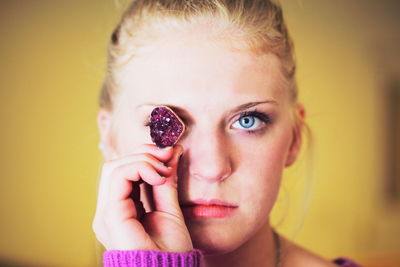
[296, 136]
[104, 120]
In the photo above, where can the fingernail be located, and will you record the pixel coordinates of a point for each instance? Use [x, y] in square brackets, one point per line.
[166, 148]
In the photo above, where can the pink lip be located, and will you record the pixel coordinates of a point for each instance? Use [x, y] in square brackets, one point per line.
[214, 208]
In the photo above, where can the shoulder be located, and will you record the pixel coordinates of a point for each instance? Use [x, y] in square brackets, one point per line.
[294, 255]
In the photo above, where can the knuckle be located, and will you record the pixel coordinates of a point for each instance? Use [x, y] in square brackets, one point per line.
[147, 165]
[142, 148]
[121, 171]
[116, 171]
[148, 158]
[141, 165]
[107, 167]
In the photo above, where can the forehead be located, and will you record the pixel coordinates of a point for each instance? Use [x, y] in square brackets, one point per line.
[197, 69]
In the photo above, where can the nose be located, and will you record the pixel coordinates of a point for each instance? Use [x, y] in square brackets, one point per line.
[210, 159]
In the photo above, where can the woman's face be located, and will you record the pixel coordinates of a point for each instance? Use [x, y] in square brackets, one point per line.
[210, 86]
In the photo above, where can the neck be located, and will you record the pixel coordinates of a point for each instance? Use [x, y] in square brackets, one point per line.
[258, 251]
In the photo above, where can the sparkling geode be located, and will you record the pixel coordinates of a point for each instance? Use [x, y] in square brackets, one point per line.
[165, 127]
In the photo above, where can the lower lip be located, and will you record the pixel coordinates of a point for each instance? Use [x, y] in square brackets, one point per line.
[208, 211]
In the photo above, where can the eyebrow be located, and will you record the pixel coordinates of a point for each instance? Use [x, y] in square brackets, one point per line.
[181, 111]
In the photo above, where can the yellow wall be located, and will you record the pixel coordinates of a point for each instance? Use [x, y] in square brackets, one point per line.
[52, 60]
[347, 52]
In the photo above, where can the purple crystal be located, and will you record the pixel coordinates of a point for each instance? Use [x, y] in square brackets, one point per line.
[165, 127]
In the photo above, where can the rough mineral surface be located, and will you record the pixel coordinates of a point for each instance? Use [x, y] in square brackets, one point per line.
[165, 127]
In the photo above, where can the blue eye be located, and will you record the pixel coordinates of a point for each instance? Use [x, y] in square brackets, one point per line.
[247, 121]
[251, 121]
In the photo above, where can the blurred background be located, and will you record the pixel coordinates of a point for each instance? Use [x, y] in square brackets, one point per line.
[341, 199]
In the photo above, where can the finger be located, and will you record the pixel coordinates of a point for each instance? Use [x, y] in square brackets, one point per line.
[118, 211]
[114, 169]
[131, 158]
[162, 154]
[123, 176]
[125, 209]
[146, 152]
[174, 162]
[166, 195]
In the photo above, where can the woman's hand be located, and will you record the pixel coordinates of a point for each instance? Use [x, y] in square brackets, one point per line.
[121, 222]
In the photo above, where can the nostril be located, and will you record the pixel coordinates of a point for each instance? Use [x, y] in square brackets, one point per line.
[212, 176]
[225, 176]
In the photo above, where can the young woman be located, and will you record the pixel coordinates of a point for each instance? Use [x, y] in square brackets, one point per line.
[226, 68]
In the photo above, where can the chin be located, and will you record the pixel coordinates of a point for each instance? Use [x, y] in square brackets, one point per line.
[216, 239]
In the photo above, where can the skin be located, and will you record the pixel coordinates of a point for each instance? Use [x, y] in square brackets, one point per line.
[205, 79]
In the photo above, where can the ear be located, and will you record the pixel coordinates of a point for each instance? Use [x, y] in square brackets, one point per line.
[297, 135]
[104, 121]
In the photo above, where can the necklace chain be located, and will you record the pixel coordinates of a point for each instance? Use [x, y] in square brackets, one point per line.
[277, 249]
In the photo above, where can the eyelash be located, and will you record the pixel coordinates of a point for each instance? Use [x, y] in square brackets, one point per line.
[254, 113]
[259, 115]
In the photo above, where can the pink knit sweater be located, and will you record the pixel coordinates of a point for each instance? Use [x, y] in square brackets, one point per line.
[150, 258]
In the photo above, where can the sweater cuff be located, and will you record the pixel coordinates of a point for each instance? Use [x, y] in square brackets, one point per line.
[150, 258]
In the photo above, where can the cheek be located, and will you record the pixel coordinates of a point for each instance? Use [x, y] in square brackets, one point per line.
[271, 153]
[130, 133]
[264, 168]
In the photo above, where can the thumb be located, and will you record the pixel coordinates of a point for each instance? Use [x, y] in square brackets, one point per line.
[166, 195]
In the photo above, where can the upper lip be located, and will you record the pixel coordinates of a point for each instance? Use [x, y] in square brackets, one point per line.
[213, 201]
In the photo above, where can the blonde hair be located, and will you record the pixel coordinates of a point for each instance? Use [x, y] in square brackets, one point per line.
[258, 23]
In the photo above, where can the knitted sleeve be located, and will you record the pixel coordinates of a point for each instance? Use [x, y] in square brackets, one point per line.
[151, 258]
